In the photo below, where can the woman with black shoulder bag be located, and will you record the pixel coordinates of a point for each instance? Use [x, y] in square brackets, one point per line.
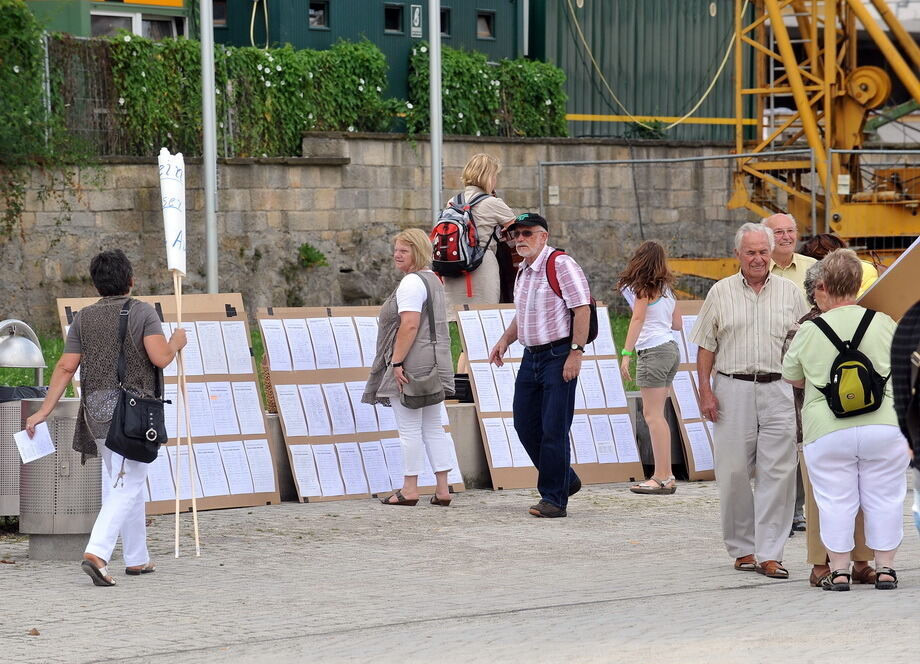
[109, 371]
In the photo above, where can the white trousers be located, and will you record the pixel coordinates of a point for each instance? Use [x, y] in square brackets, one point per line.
[122, 512]
[421, 431]
[859, 467]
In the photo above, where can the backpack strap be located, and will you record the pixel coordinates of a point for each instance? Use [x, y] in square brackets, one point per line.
[863, 326]
[551, 275]
[830, 334]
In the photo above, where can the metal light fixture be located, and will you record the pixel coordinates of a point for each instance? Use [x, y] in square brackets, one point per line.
[19, 347]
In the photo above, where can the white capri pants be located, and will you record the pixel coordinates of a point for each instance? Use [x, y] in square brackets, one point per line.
[122, 512]
[420, 431]
[859, 467]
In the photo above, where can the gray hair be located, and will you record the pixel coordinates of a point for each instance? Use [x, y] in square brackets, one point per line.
[813, 276]
[752, 227]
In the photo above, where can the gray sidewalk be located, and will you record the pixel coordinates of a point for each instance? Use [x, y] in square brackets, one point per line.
[624, 577]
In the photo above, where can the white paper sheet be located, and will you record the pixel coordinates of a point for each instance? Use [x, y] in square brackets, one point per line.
[375, 466]
[199, 407]
[679, 340]
[624, 438]
[613, 383]
[519, 456]
[392, 451]
[346, 341]
[686, 397]
[275, 341]
[314, 405]
[305, 470]
[515, 349]
[223, 409]
[604, 344]
[367, 335]
[493, 326]
[184, 491]
[339, 408]
[712, 435]
[173, 413]
[497, 439]
[211, 345]
[248, 407]
[260, 465]
[191, 354]
[583, 439]
[324, 349]
[689, 322]
[699, 446]
[504, 383]
[31, 449]
[327, 464]
[159, 477]
[385, 418]
[473, 337]
[590, 381]
[236, 466]
[365, 415]
[211, 470]
[171, 369]
[485, 387]
[603, 439]
[290, 410]
[236, 345]
[352, 468]
[454, 475]
[299, 344]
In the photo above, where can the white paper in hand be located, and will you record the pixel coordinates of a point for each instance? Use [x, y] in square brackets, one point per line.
[31, 449]
[172, 197]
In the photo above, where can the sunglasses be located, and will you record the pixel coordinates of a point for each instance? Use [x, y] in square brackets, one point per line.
[514, 234]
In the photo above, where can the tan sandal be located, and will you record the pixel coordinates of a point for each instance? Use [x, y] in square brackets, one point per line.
[665, 487]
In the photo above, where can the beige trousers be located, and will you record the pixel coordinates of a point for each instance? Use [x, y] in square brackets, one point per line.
[817, 554]
[754, 440]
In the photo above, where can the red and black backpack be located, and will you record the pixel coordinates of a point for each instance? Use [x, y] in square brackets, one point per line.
[455, 242]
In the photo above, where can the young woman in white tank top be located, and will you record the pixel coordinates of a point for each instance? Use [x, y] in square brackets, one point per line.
[646, 284]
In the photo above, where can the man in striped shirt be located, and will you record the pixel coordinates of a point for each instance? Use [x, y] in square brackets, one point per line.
[553, 329]
[740, 332]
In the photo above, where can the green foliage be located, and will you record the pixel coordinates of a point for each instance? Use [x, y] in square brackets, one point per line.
[310, 256]
[515, 98]
[653, 130]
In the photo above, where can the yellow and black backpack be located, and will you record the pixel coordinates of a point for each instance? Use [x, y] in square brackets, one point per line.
[855, 387]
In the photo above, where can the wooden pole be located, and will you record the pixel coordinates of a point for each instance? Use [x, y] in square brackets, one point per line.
[179, 397]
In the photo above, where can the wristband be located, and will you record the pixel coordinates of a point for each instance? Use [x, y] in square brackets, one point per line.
[396, 364]
[626, 353]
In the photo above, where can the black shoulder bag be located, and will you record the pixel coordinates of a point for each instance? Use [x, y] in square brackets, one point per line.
[138, 426]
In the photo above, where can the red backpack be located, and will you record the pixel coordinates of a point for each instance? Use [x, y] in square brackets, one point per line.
[553, 280]
[455, 242]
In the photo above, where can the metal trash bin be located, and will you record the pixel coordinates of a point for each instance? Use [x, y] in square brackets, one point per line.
[10, 423]
[59, 498]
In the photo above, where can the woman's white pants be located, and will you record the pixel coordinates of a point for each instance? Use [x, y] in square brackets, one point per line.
[421, 431]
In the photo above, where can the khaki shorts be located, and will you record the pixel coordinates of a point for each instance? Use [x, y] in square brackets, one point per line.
[656, 366]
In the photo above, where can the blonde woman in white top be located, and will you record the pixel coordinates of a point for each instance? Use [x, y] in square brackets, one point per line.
[646, 284]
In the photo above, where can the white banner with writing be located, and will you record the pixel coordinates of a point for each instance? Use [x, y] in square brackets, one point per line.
[172, 194]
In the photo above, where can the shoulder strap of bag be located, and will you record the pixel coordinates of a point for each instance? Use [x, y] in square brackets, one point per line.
[863, 326]
[830, 334]
[431, 331]
[122, 331]
[551, 275]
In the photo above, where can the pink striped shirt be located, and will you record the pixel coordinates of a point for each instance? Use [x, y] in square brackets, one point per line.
[543, 316]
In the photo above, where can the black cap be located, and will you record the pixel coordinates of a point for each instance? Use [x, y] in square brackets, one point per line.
[529, 219]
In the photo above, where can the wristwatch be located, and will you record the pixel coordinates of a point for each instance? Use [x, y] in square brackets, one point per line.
[577, 347]
[396, 364]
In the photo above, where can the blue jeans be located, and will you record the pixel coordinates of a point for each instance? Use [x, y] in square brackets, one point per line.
[543, 409]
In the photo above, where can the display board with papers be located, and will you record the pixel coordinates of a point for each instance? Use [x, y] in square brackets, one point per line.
[339, 448]
[695, 433]
[233, 461]
[603, 442]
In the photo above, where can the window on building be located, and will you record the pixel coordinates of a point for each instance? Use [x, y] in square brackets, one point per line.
[109, 24]
[220, 13]
[393, 18]
[158, 28]
[445, 22]
[319, 15]
[485, 25]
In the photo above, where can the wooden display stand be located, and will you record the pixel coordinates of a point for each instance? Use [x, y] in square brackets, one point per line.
[692, 428]
[195, 308]
[896, 290]
[303, 377]
[522, 477]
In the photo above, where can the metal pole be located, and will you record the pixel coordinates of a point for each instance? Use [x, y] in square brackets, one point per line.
[813, 184]
[828, 197]
[434, 103]
[209, 156]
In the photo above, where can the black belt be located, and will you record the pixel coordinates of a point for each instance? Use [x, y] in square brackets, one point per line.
[552, 344]
[754, 378]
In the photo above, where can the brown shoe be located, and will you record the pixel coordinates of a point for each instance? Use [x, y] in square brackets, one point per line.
[818, 572]
[547, 510]
[772, 569]
[864, 575]
[746, 563]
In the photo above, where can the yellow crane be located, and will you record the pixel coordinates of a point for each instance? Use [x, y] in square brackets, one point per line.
[837, 187]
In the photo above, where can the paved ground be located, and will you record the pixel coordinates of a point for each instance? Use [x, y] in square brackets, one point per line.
[623, 578]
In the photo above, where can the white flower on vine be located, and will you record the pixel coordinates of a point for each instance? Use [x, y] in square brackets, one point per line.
[548, 102]
[460, 115]
[259, 67]
[361, 81]
[413, 52]
[16, 69]
[277, 67]
[220, 124]
[446, 91]
[360, 88]
[310, 115]
[135, 53]
[121, 101]
[301, 94]
[478, 133]
[127, 38]
[496, 121]
[143, 88]
[351, 128]
[379, 89]
[409, 105]
[268, 84]
[309, 74]
[424, 49]
[269, 56]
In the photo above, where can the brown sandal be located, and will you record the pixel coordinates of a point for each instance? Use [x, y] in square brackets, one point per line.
[746, 563]
[400, 500]
[864, 575]
[772, 569]
[440, 501]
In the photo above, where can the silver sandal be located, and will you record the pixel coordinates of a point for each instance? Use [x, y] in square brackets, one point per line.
[665, 487]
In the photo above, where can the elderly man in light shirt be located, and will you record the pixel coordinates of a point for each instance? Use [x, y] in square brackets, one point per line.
[740, 332]
[785, 261]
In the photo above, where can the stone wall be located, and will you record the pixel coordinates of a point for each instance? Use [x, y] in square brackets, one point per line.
[347, 197]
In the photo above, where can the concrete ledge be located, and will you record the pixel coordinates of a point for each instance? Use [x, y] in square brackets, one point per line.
[57, 547]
